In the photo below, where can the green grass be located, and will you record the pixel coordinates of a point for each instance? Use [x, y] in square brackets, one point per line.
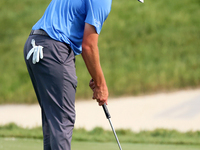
[158, 136]
[13, 137]
[35, 144]
[144, 48]
[20, 144]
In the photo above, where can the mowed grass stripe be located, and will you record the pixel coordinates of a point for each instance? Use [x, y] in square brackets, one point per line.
[34, 144]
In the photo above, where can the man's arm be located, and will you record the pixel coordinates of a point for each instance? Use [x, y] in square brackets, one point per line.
[90, 54]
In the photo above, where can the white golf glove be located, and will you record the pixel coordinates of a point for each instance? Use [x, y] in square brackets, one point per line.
[37, 52]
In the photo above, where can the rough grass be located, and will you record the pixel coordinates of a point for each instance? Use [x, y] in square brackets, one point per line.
[144, 48]
[157, 136]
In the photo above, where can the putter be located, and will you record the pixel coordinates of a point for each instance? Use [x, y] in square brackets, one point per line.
[108, 117]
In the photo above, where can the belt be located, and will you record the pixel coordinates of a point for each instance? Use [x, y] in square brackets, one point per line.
[38, 32]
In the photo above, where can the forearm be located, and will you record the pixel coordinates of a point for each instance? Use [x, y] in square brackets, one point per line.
[91, 58]
[90, 54]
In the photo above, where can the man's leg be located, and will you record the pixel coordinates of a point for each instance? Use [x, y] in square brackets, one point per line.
[45, 126]
[46, 132]
[56, 81]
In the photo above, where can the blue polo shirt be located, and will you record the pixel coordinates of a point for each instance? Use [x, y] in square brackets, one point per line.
[64, 20]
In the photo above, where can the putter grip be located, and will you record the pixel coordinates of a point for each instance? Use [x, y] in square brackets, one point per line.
[106, 111]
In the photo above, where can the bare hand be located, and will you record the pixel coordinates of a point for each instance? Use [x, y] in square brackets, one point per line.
[92, 84]
[100, 93]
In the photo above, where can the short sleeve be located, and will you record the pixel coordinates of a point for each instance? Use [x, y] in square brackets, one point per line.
[97, 12]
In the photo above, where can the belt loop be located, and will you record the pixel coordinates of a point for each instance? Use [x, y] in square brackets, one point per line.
[31, 32]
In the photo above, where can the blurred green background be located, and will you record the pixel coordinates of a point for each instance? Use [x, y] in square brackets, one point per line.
[144, 48]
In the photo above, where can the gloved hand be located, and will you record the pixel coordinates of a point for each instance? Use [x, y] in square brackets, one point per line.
[37, 52]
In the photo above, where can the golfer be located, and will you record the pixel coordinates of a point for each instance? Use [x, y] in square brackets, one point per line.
[67, 28]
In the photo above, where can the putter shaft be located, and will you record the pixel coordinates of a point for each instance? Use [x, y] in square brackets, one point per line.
[115, 134]
[108, 117]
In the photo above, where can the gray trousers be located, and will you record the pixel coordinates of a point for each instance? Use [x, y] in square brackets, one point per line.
[54, 81]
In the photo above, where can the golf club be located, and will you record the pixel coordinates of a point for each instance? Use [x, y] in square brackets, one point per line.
[108, 117]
